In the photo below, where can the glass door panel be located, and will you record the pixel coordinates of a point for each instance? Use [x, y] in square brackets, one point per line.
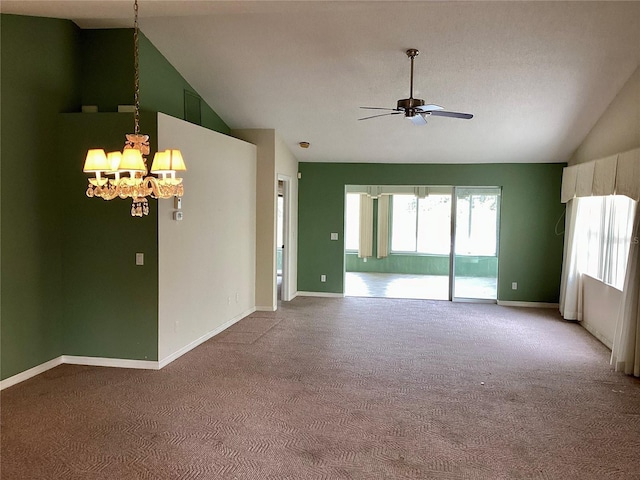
[476, 229]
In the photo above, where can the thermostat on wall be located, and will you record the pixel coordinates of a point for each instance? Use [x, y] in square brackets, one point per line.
[177, 215]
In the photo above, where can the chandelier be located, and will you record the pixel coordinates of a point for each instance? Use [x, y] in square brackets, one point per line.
[124, 174]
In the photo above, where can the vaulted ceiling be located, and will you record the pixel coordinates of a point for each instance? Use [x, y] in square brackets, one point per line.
[536, 75]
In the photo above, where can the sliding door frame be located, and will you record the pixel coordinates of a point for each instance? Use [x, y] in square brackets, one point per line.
[452, 255]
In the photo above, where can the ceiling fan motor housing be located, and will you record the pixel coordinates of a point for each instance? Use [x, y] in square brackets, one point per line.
[409, 106]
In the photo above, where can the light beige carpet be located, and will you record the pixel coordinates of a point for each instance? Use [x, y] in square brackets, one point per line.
[342, 389]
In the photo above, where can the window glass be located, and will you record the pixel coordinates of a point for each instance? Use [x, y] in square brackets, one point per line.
[403, 223]
[607, 223]
[434, 224]
[477, 224]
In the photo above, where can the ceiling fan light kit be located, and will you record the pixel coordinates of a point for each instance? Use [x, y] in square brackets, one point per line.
[415, 109]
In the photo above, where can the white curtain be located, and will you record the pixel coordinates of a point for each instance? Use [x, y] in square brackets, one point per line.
[625, 354]
[383, 226]
[571, 281]
[365, 247]
[597, 236]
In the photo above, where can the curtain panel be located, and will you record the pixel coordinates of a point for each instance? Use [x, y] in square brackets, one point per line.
[365, 248]
[383, 226]
[625, 354]
[571, 280]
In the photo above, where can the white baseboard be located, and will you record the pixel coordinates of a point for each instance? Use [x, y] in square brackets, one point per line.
[177, 354]
[118, 362]
[272, 308]
[110, 362]
[321, 294]
[507, 303]
[596, 333]
[32, 372]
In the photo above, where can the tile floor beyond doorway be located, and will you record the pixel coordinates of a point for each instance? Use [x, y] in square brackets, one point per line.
[427, 287]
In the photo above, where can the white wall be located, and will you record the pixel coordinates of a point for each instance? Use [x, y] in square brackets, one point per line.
[266, 207]
[206, 261]
[601, 305]
[618, 129]
[287, 165]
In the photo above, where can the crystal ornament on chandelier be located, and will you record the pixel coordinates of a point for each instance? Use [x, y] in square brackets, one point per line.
[123, 174]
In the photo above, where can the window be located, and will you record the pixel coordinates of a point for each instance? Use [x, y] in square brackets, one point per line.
[421, 225]
[352, 222]
[606, 224]
[403, 223]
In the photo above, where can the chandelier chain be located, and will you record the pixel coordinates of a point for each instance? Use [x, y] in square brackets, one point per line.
[136, 67]
[129, 167]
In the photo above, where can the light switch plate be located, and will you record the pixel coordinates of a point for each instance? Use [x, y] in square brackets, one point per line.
[334, 236]
[139, 258]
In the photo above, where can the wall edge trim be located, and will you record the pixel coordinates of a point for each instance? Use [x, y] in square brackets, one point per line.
[178, 353]
[509, 303]
[269, 308]
[596, 333]
[30, 373]
[320, 294]
[110, 362]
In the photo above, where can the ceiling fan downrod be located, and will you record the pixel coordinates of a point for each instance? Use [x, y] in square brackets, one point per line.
[409, 104]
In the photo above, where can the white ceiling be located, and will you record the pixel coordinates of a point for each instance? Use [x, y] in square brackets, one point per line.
[537, 75]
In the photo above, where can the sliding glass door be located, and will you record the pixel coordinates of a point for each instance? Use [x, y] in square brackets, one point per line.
[475, 230]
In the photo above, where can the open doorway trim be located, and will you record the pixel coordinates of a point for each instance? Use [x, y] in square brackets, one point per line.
[286, 235]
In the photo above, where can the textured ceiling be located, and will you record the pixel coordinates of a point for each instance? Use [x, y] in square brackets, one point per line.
[536, 75]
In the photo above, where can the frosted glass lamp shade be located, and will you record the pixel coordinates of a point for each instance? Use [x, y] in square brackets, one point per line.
[132, 161]
[96, 161]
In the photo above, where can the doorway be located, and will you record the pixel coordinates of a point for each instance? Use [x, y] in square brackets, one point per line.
[475, 231]
[282, 238]
[441, 242]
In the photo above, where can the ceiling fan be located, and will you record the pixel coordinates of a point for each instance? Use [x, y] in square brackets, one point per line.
[414, 108]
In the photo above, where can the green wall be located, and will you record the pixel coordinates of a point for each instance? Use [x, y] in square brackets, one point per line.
[110, 304]
[530, 250]
[40, 78]
[107, 68]
[69, 283]
[107, 73]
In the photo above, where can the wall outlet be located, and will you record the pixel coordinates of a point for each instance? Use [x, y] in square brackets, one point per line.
[323, 278]
[514, 285]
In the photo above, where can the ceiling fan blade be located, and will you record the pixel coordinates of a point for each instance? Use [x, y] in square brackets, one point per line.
[429, 108]
[442, 113]
[380, 108]
[381, 115]
[418, 119]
